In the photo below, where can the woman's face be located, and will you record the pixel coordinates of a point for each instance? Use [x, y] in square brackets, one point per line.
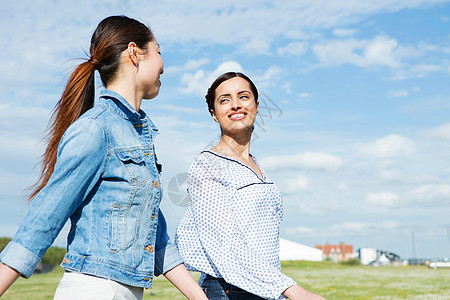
[150, 68]
[235, 107]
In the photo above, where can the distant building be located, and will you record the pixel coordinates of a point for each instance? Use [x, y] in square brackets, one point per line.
[375, 257]
[294, 251]
[336, 253]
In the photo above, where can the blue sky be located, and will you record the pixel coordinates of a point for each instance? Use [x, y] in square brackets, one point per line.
[355, 124]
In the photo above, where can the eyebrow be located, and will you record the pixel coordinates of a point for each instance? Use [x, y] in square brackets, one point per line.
[244, 91]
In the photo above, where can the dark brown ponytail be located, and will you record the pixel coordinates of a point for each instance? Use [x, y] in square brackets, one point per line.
[109, 40]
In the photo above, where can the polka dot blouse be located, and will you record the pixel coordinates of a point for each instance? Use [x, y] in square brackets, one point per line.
[231, 227]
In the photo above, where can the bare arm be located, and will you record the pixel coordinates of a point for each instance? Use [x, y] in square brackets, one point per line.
[295, 292]
[7, 277]
[183, 281]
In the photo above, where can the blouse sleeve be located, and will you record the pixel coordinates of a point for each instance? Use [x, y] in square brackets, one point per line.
[224, 241]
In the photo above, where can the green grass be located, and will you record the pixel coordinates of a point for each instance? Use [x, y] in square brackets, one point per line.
[333, 281]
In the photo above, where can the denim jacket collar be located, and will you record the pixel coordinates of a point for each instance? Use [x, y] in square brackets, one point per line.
[120, 106]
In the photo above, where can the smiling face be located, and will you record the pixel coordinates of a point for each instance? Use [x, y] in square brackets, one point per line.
[235, 107]
[150, 68]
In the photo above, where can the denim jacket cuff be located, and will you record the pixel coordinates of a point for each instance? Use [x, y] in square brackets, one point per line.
[20, 259]
[166, 259]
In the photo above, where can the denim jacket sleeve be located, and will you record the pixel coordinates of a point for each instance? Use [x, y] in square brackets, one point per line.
[166, 256]
[80, 161]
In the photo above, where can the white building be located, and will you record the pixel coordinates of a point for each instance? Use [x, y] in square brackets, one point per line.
[294, 251]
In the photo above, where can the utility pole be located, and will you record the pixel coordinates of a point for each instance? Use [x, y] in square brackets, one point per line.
[413, 248]
[448, 235]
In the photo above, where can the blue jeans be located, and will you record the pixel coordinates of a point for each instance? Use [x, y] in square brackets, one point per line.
[219, 289]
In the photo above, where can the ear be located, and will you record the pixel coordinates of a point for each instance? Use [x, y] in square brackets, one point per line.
[213, 114]
[133, 53]
[257, 106]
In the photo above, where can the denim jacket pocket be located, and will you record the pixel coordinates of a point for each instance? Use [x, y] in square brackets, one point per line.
[134, 165]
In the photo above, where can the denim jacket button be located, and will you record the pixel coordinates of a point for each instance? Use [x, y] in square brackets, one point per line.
[149, 248]
[155, 184]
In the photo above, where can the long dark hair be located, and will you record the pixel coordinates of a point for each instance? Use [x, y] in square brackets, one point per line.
[211, 94]
[109, 40]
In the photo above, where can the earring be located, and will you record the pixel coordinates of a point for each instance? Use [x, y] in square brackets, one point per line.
[137, 64]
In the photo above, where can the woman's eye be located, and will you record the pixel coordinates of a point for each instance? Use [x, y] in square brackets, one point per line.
[223, 100]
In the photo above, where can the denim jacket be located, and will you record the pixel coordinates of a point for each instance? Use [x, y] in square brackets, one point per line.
[106, 180]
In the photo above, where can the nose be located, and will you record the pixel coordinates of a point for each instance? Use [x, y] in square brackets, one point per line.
[236, 103]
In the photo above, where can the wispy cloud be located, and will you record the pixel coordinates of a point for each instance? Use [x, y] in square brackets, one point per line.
[383, 199]
[199, 81]
[294, 185]
[380, 51]
[397, 94]
[392, 145]
[441, 132]
[304, 161]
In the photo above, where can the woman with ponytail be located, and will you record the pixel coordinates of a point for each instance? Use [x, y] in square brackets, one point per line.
[100, 171]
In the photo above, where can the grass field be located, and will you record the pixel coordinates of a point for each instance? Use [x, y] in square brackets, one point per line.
[333, 281]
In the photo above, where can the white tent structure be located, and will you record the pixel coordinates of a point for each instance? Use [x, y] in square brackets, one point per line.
[294, 251]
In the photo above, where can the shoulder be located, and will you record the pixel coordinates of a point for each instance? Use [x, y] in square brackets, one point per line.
[87, 134]
[208, 165]
[205, 163]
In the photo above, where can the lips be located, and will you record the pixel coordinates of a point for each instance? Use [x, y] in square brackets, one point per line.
[236, 116]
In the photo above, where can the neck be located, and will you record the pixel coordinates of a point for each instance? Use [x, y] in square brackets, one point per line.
[236, 146]
[127, 89]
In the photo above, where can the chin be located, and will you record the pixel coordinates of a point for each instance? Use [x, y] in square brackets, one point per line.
[151, 96]
[238, 130]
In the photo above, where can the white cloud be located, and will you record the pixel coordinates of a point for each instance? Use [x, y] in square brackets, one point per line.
[364, 228]
[192, 64]
[397, 94]
[384, 199]
[183, 109]
[294, 48]
[441, 132]
[305, 161]
[287, 87]
[422, 70]
[380, 51]
[293, 185]
[340, 32]
[435, 195]
[199, 82]
[390, 146]
[304, 95]
[256, 46]
[418, 71]
[269, 78]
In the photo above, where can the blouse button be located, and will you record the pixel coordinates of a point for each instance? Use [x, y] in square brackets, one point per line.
[155, 184]
[149, 248]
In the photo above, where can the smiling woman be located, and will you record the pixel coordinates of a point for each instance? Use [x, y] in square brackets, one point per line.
[230, 231]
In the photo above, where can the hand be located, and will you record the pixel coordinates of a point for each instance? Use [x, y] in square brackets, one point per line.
[296, 292]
